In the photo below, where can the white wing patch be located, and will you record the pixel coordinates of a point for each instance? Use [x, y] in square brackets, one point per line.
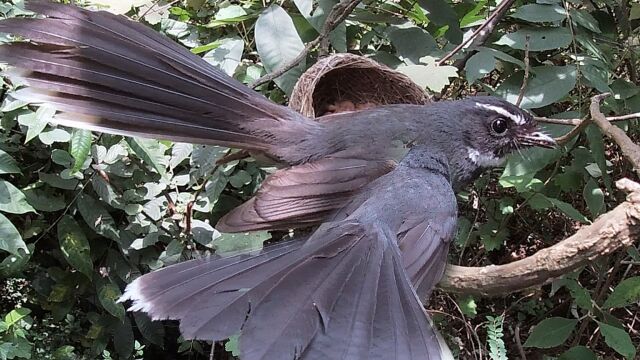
[517, 118]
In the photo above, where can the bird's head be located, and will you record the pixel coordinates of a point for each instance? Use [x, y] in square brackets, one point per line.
[494, 128]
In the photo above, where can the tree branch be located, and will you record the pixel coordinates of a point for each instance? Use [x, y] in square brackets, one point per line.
[575, 122]
[616, 229]
[630, 150]
[480, 35]
[338, 13]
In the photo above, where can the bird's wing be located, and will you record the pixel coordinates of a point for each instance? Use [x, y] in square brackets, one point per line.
[342, 295]
[107, 73]
[304, 194]
[424, 242]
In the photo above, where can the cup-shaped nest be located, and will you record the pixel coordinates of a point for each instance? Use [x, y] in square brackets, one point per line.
[347, 82]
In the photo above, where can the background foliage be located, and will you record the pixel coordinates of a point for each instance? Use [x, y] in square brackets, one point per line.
[82, 214]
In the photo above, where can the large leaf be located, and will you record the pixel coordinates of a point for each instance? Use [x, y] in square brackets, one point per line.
[430, 76]
[108, 295]
[150, 151]
[540, 13]
[278, 43]
[228, 244]
[10, 239]
[36, 122]
[625, 293]
[97, 217]
[547, 85]
[551, 332]
[227, 55]
[479, 65]
[80, 147]
[540, 39]
[8, 165]
[618, 339]
[12, 200]
[594, 197]
[74, 245]
[578, 353]
[411, 43]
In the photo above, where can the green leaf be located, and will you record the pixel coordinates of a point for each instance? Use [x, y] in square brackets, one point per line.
[412, 43]
[547, 85]
[16, 315]
[578, 293]
[430, 76]
[153, 331]
[227, 55]
[625, 293]
[54, 135]
[10, 239]
[45, 200]
[540, 13]
[12, 200]
[13, 264]
[578, 353]
[36, 122]
[108, 295]
[618, 339]
[8, 165]
[585, 19]
[551, 332]
[203, 233]
[468, 306]
[80, 147]
[569, 210]
[123, 339]
[540, 39]
[442, 14]
[179, 152]
[97, 217]
[278, 43]
[232, 345]
[240, 179]
[74, 245]
[228, 244]
[479, 65]
[150, 151]
[594, 197]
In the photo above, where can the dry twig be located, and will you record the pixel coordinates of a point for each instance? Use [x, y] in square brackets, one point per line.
[480, 35]
[525, 79]
[338, 13]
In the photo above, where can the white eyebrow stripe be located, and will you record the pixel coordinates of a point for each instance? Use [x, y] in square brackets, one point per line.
[518, 119]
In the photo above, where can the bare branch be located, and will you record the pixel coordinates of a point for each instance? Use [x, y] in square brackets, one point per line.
[614, 230]
[480, 35]
[575, 122]
[338, 13]
[630, 150]
[525, 80]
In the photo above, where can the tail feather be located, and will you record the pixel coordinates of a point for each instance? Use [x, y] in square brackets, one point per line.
[316, 299]
[129, 79]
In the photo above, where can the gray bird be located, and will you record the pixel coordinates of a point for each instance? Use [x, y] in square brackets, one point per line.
[104, 72]
[342, 294]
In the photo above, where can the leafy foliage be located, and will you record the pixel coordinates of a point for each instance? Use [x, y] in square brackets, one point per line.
[82, 214]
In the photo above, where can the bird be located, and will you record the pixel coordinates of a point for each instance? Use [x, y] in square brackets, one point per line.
[105, 72]
[343, 293]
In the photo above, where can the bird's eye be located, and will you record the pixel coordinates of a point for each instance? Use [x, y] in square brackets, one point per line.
[499, 126]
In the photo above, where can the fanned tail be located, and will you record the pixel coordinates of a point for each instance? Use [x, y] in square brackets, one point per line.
[107, 73]
[342, 294]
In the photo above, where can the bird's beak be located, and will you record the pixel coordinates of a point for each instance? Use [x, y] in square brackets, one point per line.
[537, 138]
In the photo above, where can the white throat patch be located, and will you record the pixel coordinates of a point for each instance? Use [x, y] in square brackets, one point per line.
[516, 118]
[484, 160]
